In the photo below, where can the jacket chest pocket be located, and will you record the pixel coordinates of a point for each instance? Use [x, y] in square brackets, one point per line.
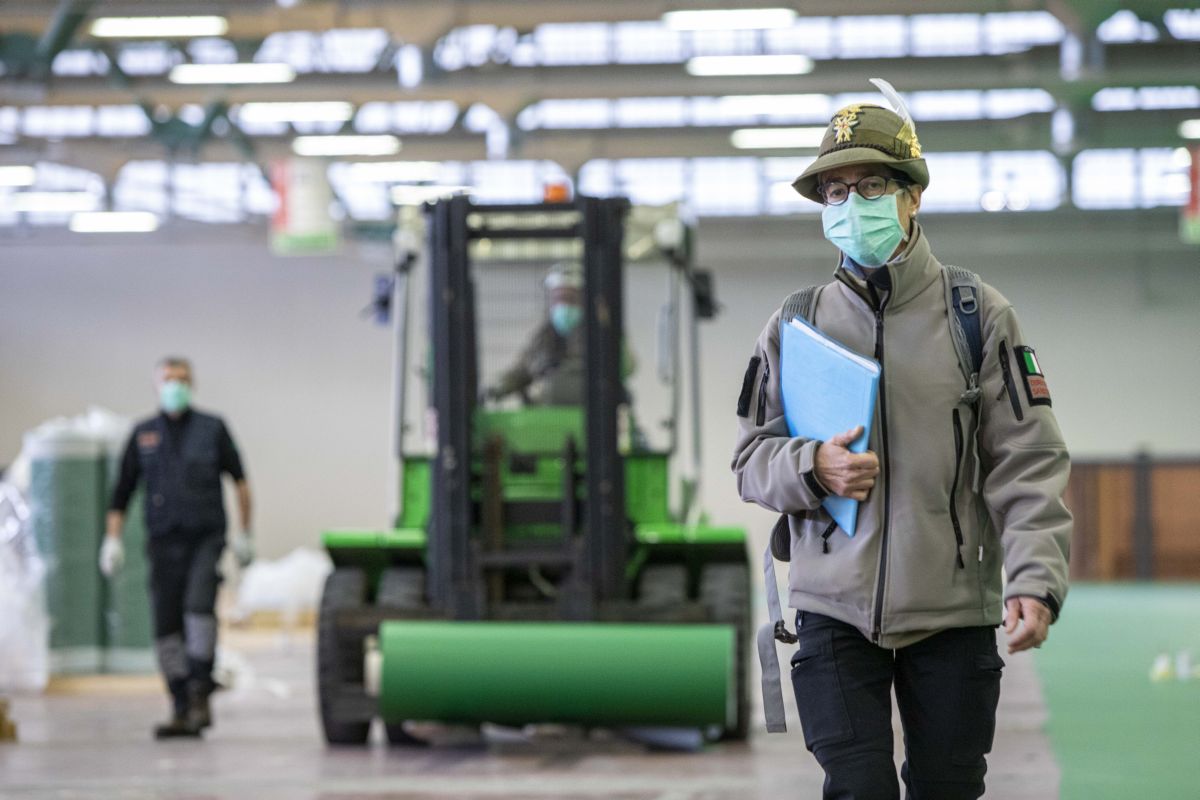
[150, 462]
[201, 468]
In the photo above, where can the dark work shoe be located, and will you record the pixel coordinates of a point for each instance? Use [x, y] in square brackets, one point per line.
[199, 713]
[179, 727]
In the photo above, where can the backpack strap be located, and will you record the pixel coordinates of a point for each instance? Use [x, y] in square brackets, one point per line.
[801, 303]
[963, 297]
[769, 632]
[964, 313]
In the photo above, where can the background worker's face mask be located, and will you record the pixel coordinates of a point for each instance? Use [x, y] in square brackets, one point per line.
[174, 396]
[866, 230]
[565, 317]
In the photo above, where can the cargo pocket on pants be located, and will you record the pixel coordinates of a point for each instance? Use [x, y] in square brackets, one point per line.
[977, 723]
[819, 697]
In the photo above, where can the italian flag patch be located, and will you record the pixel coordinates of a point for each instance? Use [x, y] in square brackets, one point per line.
[1036, 390]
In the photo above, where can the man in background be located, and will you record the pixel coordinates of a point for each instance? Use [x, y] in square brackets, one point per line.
[180, 455]
[549, 370]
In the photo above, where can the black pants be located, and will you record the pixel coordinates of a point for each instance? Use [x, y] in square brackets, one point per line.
[183, 592]
[947, 688]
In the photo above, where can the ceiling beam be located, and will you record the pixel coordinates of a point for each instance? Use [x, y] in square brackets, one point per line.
[508, 89]
[571, 149]
[424, 21]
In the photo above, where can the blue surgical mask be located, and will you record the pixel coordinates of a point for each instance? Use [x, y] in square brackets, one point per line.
[174, 396]
[866, 230]
[565, 317]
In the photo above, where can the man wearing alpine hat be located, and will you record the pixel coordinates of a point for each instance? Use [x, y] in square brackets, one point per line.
[963, 474]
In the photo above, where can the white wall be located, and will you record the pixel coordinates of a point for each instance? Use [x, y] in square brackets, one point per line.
[1110, 301]
[278, 346]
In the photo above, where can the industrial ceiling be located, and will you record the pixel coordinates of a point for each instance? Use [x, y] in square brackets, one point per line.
[51, 60]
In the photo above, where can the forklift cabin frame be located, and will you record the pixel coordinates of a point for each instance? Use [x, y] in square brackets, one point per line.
[460, 564]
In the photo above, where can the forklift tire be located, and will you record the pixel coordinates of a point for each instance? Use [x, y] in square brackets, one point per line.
[725, 590]
[345, 588]
[663, 585]
[403, 589]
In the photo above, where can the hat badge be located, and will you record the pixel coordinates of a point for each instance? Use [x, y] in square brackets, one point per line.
[908, 136]
[844, 122]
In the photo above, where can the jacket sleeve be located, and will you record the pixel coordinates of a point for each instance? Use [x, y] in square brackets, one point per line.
[773, 469]
[1027, 463]
[230, 459]
[514, 379]
[131, 471]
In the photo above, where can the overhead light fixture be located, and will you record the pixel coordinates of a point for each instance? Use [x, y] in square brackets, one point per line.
[1178, 184]
[52, 202]
[1190, 129]
[992, 201]
[333, 111]
[114, 222]
[728, 19]
[17, 176]
[395, 171]
[750, 65]
[1016, 201]
[348, 145]
[415, 195]
[159, 27]
[776, 138]
[232, 73]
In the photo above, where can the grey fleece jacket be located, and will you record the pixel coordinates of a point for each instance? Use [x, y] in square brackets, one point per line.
[963, 488]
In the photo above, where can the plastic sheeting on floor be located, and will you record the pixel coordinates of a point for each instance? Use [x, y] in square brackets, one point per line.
[289, 586]
[24, 623]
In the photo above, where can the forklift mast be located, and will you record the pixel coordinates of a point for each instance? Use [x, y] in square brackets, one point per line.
[595, 552]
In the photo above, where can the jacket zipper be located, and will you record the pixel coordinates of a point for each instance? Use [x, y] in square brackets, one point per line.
[958, 452]
[760, 416]
[877, 629]
[1009, 384]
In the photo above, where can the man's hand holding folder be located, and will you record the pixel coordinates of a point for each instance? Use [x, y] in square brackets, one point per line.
[842, 472]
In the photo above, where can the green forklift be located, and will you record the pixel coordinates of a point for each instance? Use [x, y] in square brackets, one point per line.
[537, 571]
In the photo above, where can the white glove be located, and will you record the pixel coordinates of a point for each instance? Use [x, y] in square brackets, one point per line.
[112, 556]
[243, 548]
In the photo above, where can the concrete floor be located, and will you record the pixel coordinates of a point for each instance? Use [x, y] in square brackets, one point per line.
[91, 739]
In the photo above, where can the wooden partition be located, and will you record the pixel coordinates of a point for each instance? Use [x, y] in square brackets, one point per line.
[1135, 519]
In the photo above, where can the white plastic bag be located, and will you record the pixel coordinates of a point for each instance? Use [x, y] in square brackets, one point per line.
[24, 622]
[290, 586]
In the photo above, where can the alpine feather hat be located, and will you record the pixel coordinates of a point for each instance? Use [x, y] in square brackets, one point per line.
[867, 134]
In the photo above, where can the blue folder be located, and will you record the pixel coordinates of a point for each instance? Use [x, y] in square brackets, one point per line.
[827, 389]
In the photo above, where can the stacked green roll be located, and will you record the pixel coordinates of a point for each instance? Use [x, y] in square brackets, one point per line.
[67, 500]
[588, 673]
[95, 624]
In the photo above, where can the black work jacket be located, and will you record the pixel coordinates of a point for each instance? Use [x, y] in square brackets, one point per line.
[181, 461]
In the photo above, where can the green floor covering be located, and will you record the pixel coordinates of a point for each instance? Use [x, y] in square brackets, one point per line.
[1114, 732]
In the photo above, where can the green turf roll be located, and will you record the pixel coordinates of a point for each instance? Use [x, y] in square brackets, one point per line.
[66, 501]
[593, 673]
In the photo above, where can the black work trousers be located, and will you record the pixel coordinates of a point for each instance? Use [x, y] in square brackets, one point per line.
[947, 687]
[184, 578]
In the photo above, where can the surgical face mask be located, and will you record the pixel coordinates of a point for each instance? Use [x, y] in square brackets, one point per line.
[565, 317]
[866, 230]
[174, 396]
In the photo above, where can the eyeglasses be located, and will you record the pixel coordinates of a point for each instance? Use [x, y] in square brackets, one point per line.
[872, 187]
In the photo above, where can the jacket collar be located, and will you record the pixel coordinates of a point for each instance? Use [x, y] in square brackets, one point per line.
[902, 278]
[183, 417]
